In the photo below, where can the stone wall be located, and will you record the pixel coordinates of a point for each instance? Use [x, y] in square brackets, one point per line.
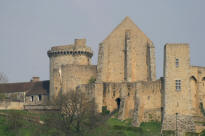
[35, 100]
[69, 77]
[124, 55]
[13, 96]
[148, 102]
[11, 105]
[138, 100]
[197, 85]
[73, 54]
[177, 100]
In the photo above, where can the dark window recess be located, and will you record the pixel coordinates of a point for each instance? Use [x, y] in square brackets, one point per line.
[31, 99]
[177, 63]
[178, 85]
[39, 97]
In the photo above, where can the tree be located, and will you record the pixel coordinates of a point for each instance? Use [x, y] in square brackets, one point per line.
[3, 78]
[76, 113]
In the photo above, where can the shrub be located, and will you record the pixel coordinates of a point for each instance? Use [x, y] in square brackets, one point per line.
[191, 134]
[92, 80]
[105, 111]
[168, 133]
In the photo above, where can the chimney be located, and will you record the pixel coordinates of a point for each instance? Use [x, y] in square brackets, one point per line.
[35, 79]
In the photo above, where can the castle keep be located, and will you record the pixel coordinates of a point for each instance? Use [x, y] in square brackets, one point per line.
[124, 79]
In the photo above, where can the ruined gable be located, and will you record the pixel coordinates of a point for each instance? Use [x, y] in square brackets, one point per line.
[126, 54]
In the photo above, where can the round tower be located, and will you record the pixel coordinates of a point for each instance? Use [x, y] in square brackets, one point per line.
[75, 54]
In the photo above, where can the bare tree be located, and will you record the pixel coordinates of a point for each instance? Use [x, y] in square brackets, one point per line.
[3, 78]
[76, 113]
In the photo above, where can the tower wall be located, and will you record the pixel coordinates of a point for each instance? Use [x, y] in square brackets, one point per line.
[177, 93]
[68, 77]
[74, 54]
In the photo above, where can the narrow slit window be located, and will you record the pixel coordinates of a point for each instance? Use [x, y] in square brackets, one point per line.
[31, 98]
[177, 63]
[178, 85]
[39, 97]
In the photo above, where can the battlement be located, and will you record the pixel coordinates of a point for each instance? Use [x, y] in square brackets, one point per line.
[78, 48]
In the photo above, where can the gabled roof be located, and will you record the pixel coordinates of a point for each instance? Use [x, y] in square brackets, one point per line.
[126, 22]
[31, 88]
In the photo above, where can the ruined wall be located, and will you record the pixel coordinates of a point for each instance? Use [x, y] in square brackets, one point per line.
[75, 54]
[35, 100]
[125, 92]
[139, 100]
[197, 86]
[124, 55]
[93, 91]
[70, 76]
[11, 105]
[13, 96]
[177, 100]
[149, 95]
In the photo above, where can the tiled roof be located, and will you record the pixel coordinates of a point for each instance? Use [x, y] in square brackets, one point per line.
[31, 88]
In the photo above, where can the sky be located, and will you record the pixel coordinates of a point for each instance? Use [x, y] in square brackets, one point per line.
[29, 28]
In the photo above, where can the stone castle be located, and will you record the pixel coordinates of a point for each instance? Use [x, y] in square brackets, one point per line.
[124, 79]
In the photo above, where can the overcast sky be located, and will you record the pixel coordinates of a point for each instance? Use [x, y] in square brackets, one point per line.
[28, 28]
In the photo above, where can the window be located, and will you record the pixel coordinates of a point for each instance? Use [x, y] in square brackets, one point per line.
[177, 63]
[31, 98]
[39, 97]
[178, 85]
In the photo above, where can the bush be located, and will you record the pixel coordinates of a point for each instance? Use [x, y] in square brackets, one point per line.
[14, 120]
[202, 133]
[105, 111]
[92, 80]
[191, 134]
[168, 133]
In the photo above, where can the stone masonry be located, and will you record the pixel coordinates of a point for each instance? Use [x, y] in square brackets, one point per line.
[123, 80]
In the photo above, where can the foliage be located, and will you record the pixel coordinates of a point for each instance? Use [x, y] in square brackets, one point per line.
[202, 133]
[92, 80]
[102, 126]
[115, 127]
[2, 96]
[76, 115]
[168, 133]
[191, 134]
[105, 111]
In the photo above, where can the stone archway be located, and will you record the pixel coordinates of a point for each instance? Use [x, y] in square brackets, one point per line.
[118, 100]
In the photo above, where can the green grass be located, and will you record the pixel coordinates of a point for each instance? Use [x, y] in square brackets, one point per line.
[115, 127]
[111, 127]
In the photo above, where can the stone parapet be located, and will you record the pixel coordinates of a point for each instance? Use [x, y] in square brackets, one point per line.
[79, 48]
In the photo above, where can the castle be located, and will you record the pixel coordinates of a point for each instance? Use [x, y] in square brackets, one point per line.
[124, 78]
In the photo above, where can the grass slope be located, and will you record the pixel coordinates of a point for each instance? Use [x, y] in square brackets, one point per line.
[111, 127]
